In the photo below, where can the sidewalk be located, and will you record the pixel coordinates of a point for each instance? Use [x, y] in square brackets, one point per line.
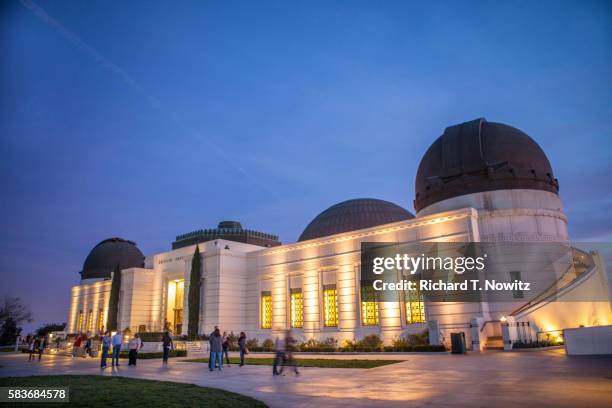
[547, 378]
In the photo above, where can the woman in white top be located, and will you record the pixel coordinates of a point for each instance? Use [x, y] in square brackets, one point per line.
[134, 345]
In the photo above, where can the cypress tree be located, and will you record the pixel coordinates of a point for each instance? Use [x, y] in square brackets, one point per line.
[194, 295]
[113, 302]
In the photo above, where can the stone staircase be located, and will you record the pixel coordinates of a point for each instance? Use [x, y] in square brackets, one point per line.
[494, 343]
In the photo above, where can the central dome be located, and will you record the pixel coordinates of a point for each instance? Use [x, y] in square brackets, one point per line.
[109, 253]
[352, 215]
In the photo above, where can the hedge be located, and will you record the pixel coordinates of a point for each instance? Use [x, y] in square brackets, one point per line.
[159, 354]
[151, 336]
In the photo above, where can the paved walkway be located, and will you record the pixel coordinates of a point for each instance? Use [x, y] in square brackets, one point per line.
[496, 379]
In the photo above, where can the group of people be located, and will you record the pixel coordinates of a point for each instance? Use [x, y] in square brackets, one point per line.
[219, 347]
[83, 346]
[115, 341]
[36, 345]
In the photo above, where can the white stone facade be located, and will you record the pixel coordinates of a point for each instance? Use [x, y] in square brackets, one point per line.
[234, 276]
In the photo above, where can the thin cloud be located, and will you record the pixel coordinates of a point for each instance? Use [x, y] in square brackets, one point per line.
[113, 68]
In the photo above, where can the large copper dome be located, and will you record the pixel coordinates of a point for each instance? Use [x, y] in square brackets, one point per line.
[479, 156]
[109, 253]
[354, 215]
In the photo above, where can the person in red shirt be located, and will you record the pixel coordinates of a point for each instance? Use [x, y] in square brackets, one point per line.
[77, 345]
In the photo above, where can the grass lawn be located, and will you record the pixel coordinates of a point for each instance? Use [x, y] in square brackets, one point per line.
[97, 391]
[308, 362]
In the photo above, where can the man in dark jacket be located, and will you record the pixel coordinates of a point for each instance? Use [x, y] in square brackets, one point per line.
[168, 345]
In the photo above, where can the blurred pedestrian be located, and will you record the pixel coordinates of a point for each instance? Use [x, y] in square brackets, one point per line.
[225, 344]
[243, 347]
[42, 345]
[116, 341]
[106, 343]
[88, 345]
[31, 347]
[279, 348]
[76, 346]
[167, 345]
[290, 348]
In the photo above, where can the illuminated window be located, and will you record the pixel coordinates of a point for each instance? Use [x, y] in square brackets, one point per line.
[100, 324]
[266, 310]
[179, 298]
[296, 308]
[79, 326]
[330, 306]
[369, 306]
[90, 321]
[415, 307]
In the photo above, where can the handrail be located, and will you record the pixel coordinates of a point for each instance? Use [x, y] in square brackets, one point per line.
[578, 267]
[488, 321]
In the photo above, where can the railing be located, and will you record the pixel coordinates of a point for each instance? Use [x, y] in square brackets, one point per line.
[582, 264]
[488, 321]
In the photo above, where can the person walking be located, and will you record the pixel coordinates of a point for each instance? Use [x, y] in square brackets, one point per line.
[242, 346]
[167, 345]
[134, 345]
[216, 350]
[279, 348]
[42, 345]
[106, 343]
[290, 348]
[31, 347]
[76, 347]
[88, 343]
[225, 353]
[116, 341]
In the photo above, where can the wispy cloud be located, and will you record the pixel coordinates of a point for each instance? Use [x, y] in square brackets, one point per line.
[116, 70]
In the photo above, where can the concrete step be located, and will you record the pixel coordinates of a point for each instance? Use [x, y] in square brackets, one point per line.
[494, 343]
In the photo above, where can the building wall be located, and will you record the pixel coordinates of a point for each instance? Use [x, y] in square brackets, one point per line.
[88, 297]
[235, 274]
[336, 260]
[140, 299]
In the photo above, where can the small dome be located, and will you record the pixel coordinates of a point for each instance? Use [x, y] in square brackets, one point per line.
[478, 156]
[109, 253]
[354, 215]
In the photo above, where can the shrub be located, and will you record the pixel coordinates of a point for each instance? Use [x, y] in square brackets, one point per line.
[146, 356]
[252, 344]
[348, 345]
[327, 345]
[370, 342]
[410, 340]
[267, 345]
[151, 336]
[535, 344]
[233, 341]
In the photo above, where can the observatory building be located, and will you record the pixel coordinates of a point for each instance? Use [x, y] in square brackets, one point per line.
[478, 182]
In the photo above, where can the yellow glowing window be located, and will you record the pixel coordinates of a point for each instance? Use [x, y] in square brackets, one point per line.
[330, 306]
[415, 307]
[369, 306]
[79, 326]
[90, 321]
[266, 310]
[296, 308]
[100, 324]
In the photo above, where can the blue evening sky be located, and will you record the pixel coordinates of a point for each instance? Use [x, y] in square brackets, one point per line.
[147, 119]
